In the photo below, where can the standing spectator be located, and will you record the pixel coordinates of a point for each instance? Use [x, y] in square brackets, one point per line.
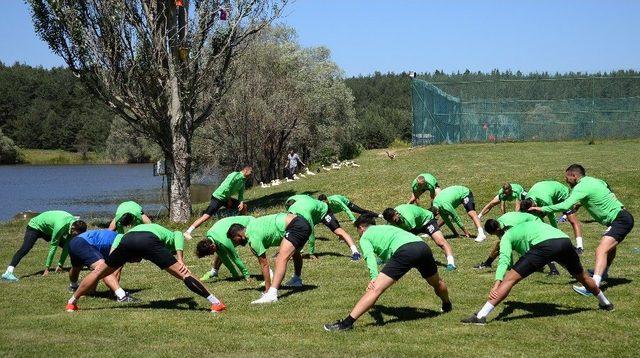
[293, 159]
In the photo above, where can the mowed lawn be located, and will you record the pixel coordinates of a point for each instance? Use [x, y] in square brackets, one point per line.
[542, 317]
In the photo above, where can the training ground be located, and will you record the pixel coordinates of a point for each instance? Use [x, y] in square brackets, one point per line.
[541, 317]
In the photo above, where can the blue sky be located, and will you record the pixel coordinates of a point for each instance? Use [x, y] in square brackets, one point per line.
[371, 35]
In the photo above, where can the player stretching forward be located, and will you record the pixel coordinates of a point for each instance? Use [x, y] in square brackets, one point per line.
[596, 196]
[508, 192]
[269, 231]
[538, 244]
[218, 242]
[222, 197]
[446, 203]
[340, 203]
[89, 249]
[57, 228]
[401, 251]
[424, 182]
[417, 221]
[128, 213]
[151, 242]
[316, 211]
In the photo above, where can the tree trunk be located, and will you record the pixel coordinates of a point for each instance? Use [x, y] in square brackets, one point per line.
[179, 165]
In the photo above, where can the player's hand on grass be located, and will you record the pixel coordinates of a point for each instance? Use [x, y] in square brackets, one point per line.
[313, 256]
[45, 272]
[59, 269]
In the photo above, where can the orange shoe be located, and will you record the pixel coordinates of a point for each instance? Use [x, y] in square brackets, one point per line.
[218, 307]
[71, 307]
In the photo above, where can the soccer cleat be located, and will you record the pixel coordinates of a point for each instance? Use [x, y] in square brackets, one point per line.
[481, 266]
[71, 307]
[356, 256]
[480, 238]
[446, 307]
[208, 275]
[579, 250]
[128, 299]
[337, 326]
[608, 307]
[295, 281]
[473, 319]
[450, 267]
[265, 299]
[72, 288]
[9, 276]
[218, 307]
[582, 291]
[604, 276]
[553, 272]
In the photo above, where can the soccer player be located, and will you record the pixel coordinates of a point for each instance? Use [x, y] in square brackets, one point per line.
[424, 182]
[596, 196]
[506, 220]
[269, 231]
[316, 211]
[417, 221]
[218, 242]
[538, 244]
[57, 228]
[551, 192]
[340, 203]
[128, 213]
[446, 203]
[90, 249]
[223, 197]
[508, 192]
[401, 251]
[151, 242]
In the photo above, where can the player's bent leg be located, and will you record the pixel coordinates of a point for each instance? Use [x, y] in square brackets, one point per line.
[181, 272]
[607, 244]
[101, 271]
[510, 279]
[442, 243]
[440, 288]
[285, 252]
[375, 289]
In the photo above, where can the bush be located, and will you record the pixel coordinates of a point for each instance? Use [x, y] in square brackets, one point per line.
[9, 152]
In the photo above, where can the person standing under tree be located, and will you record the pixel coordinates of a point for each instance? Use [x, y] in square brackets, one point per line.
[292, 162]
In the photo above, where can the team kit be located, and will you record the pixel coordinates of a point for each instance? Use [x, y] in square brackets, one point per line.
[398, 245]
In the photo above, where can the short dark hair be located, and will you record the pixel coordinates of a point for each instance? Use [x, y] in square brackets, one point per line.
[526, 204]
[364, 220]
[205, 247]
[492, 226]
[289, 203]
[322, 197]
[79, 226]
[577, 169]
[506, 186]
[434, 210]
[126, 219]
[234, 230]
[388, 213]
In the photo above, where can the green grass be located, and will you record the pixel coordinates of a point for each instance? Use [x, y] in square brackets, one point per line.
[58, 156]
[542, 316]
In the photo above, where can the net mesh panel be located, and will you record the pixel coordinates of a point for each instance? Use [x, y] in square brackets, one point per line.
[487, 111]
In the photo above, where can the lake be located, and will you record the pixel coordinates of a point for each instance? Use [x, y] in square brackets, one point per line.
[87, 190]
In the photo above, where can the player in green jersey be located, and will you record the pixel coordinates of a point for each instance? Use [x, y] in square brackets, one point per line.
[508, 192]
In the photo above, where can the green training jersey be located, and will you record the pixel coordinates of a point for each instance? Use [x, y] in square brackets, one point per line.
[514, 218]
[430, 184]
[265, 232]
[548, 192]
[596, 196]
[128, 207]
[312, 210]
[412, 216]
[447, 202]
[383, 241]
[517, 193]
[173, 240]
[520, 238]
[233, 184]
[226, 250]
[57, 225]
[339, 203]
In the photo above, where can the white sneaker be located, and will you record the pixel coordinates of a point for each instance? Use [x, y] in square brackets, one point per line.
[295, 281]
[480, 238]
[265, 299]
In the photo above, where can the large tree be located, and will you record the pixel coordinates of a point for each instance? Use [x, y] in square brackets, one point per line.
[161, 65]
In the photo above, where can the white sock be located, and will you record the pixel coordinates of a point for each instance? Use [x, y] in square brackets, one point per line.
[213, 299]
[120, 293]
[480, 216]
[579, 241]
[480, 232]
[486, 309]
[602, 299]
[214, 272]
[353, 248]
[597, 279]
[190, 229]
[450, 260]
[74, 284]
[10, 269]
[272, 291]
[72, 300]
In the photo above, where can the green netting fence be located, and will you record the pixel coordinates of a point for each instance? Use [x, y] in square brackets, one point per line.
[522, 110]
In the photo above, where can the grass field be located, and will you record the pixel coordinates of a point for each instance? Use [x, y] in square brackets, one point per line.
[542, 317]
[57, 156]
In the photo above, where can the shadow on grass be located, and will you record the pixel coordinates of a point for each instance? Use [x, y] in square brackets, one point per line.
[180, 304]
[290, 290]
[613, 282]
[400, 314]
[535, 310]
[323, 254]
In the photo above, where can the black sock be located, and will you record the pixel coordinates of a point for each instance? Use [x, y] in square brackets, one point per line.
[348, 321]
[489, 261]
[195, 286]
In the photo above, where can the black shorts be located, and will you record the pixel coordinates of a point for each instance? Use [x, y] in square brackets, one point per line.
[468, 202]
[298, 232]
[141, 245]
[35, 234]
[559, 250]
[621, 226]
[412, 255]
[84, 254]
[215, 204]
[430, 228]
[330, 221]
